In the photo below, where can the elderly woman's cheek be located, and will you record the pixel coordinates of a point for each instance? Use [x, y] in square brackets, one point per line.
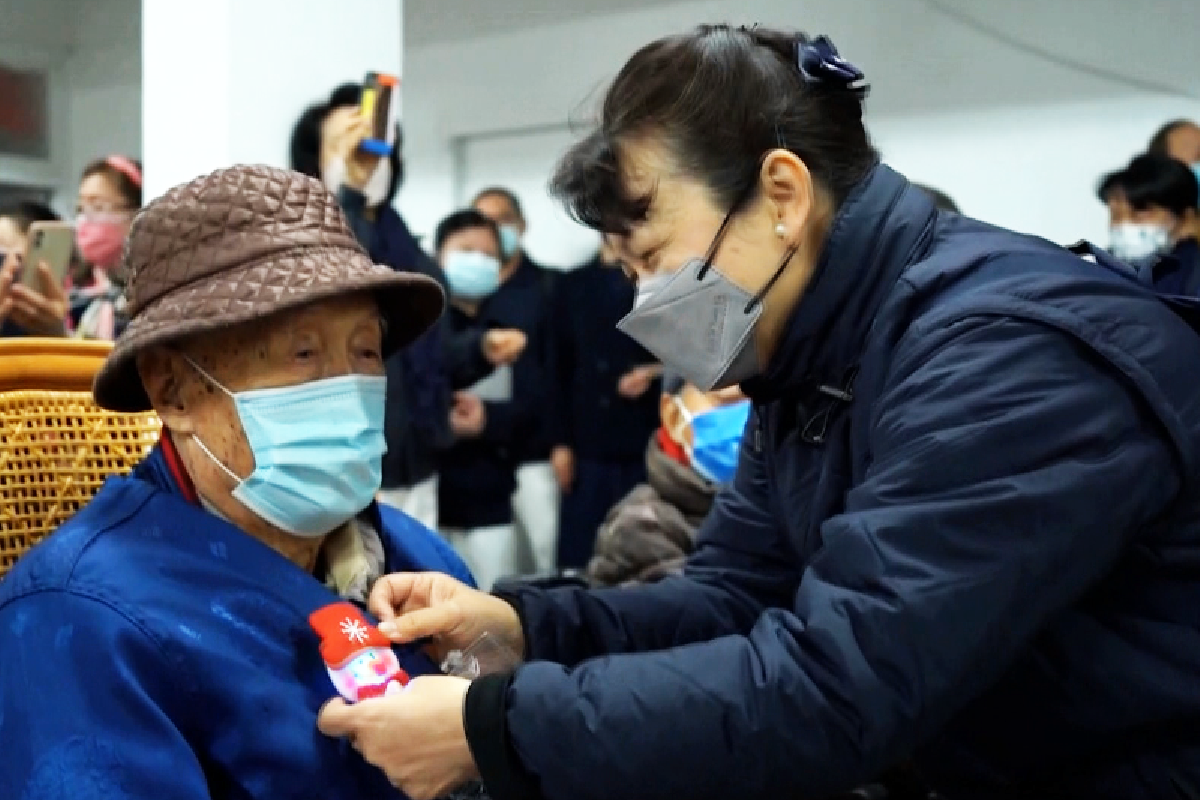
[228, 439]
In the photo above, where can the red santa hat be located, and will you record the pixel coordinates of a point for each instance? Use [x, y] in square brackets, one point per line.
[344, 633]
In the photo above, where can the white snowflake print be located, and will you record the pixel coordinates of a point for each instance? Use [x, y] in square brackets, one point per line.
[354, 630]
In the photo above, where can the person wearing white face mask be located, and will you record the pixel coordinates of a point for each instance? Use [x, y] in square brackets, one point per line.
[1152, 212]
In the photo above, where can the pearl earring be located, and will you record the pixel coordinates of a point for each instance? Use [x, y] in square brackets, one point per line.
[781, 230]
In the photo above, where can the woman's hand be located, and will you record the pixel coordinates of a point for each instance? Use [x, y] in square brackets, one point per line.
[41, 312]
[420, 605]
[347, 127]
[416, 736]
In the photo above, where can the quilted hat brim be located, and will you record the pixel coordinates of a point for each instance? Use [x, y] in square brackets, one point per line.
[410, 303]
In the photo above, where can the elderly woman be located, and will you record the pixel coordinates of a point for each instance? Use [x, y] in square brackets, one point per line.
[158, 645]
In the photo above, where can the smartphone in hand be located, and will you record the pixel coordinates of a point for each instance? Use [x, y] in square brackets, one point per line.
[52, 244]
[381, 105]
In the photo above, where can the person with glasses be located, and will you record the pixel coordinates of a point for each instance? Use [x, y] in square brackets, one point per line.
[110, 194]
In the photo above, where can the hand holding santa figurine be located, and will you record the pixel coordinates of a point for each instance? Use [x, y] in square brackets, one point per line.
[359, 658]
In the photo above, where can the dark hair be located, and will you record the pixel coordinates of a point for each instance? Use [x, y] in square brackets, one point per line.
[25, 213]
[1154, 180]
[1160, 143]
[130, 191]
[305, 148]
[506, 194]
[463, 220]
[721, 98]
[940, 198]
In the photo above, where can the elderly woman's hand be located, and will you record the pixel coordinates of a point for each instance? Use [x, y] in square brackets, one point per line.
[417, 736]
[40, 312]
[347, 127]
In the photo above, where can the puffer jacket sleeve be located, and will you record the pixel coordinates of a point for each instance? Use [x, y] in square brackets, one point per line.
[741, 566]
[999, 446]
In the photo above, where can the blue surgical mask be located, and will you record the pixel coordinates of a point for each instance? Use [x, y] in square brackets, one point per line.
[716, 439]
[510, 240]
[1196, 169]
[472, 275]
[318, 451]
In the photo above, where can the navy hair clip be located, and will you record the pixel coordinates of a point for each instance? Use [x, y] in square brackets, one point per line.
[819, 62]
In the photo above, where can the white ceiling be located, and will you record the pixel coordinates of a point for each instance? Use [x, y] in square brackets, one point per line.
[436, 21]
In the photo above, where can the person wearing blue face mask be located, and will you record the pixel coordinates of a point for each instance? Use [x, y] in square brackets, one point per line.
[158, 644]
[650, 533]
[491, 418]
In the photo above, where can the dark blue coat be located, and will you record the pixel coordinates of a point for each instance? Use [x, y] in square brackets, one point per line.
[982, 553]
[590, 356]
[1179, 272]
[150, 650]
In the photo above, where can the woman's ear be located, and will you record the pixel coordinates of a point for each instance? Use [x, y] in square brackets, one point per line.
[788, 190]
[166, 386]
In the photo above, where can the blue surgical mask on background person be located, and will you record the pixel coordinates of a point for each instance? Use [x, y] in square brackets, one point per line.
[318, 450]
[716, 439]
[472, 275]
[1196, 169]
[510, 240]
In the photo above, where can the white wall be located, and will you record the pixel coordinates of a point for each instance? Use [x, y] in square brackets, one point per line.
[1015, 139]
[92, 52]
[225, 80]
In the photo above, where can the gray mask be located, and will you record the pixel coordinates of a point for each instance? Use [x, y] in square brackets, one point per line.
[699, 324]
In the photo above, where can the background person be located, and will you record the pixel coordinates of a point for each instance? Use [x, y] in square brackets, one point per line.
[606, 402]
[525, 301]
[25, 311]
[110, 193]
[489, 418]
[1152, 214]
[649, 534]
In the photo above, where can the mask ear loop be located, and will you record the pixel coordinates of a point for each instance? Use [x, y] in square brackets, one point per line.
[711, 255]
[762, 293]
[199, 369]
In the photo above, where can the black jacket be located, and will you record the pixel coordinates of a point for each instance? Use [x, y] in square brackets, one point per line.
[590, 356]
[524, 302]
[477, 476]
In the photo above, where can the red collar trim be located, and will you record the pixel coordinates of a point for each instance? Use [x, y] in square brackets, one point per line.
[183, 481]
[671, 448]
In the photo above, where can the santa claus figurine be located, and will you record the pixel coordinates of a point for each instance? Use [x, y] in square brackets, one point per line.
[357, 656]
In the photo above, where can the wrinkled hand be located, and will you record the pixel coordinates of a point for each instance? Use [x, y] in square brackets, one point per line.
[562, 460]
[417, 736]
[346, 128]
[41, 312]
[420, 605]
[503, 346]
[468, 416]
[636, 382]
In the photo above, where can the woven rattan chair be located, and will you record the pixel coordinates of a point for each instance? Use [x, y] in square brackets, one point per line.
[56, 446]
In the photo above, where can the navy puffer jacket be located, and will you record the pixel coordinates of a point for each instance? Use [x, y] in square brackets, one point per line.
[964, 533]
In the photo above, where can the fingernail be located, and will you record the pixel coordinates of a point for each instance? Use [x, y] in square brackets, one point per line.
[388, 628]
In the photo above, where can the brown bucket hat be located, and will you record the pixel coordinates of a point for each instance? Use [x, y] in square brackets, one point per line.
[237, 245]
